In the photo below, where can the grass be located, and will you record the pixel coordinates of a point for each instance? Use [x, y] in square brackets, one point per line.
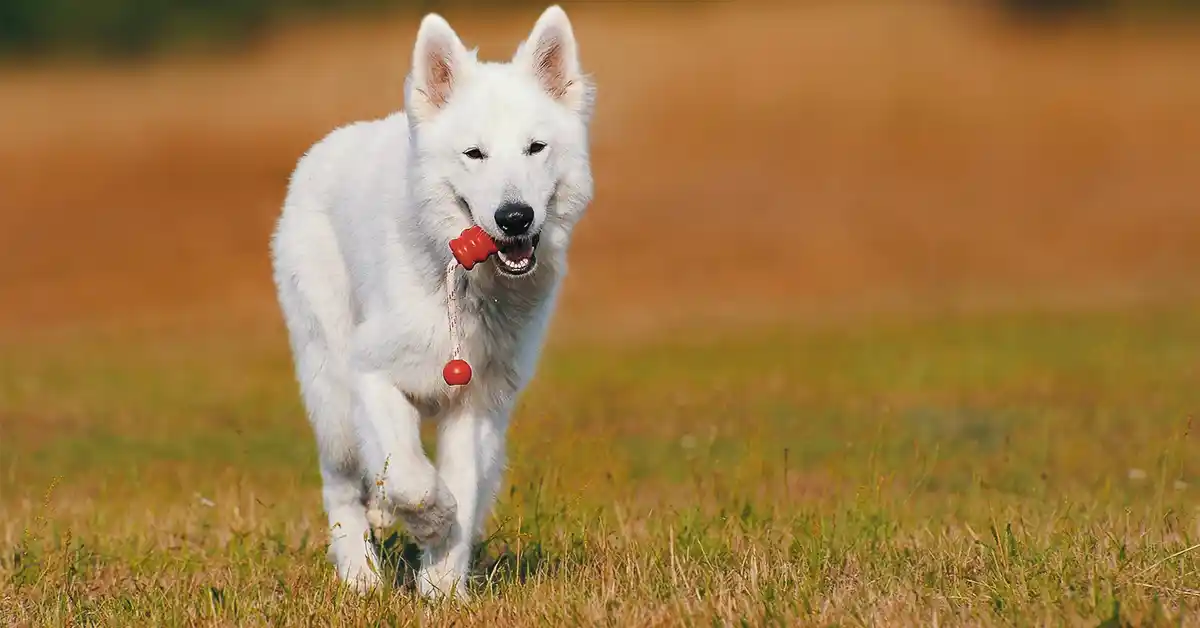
[994, 470]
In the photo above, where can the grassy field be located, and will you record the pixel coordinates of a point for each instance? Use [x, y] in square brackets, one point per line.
[995, 470]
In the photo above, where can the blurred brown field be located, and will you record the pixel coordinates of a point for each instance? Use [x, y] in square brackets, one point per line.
[753, 162]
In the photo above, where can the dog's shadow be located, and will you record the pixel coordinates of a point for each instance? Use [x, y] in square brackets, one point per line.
[400, 558]
[495, 564]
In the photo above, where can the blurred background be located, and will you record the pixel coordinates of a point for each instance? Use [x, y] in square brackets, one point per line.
[754, 161]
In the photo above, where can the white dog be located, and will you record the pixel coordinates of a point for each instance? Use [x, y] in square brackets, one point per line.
[361, 253]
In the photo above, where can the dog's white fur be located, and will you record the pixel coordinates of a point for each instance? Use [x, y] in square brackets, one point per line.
[360, 253]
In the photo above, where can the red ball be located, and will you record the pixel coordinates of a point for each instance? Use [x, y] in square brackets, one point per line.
[457, 372]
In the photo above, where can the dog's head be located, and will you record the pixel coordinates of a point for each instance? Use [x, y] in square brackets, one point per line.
[501, 145]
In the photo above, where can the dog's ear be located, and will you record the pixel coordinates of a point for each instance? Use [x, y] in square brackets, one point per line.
[439, 62]
[552, 56]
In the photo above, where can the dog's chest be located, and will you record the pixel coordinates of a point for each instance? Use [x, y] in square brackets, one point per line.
[499, 337]
[493, 331]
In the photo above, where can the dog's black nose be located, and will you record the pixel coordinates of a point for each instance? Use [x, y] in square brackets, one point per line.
[514, 218]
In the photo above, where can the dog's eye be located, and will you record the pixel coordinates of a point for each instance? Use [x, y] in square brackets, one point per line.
[536, 147]
[474, 153]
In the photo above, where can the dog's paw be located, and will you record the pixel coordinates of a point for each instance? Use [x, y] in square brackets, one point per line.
[362, 582]
[434, 583]
[429, 520]
[359, 573]
[419, 498]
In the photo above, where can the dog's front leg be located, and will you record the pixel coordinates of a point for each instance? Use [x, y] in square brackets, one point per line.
[470, 461]
[405, 481]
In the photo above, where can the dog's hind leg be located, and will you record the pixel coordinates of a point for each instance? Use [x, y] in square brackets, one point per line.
[470, 460]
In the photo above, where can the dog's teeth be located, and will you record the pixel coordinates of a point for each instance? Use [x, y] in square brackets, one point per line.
[516, 263]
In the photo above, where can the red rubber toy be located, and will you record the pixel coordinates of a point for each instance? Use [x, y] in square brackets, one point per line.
[457, 373]
[472, 246]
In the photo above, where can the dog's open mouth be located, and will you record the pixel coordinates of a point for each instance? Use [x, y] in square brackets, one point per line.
[517, 256]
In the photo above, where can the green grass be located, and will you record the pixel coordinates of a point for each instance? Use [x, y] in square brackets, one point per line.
[1009, 470]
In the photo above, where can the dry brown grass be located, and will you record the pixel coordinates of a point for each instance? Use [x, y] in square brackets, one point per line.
[1006, 471]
